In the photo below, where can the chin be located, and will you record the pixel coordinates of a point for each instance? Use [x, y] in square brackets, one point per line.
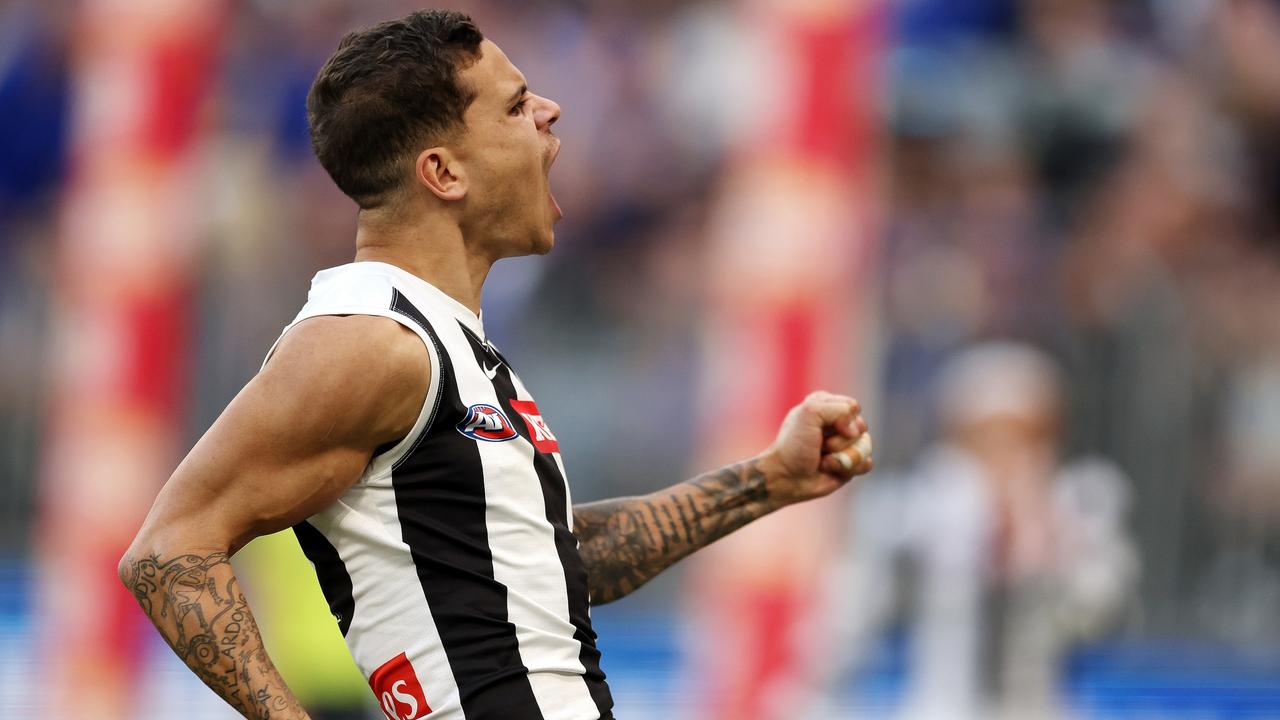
[543, 244]
[539, 244]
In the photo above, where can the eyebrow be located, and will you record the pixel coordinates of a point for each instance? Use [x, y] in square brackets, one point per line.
[515, 97]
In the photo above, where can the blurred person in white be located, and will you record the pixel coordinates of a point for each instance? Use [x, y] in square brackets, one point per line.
[1000, 556]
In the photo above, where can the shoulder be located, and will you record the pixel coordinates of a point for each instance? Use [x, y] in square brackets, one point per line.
[374, 343]
[357, 285]
[364, 375]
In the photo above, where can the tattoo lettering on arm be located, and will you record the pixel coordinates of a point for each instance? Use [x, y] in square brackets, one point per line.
[625, 542]
[197, 605]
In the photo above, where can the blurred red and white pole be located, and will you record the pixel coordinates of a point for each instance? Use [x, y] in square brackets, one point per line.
[141, 73]
[793, 243]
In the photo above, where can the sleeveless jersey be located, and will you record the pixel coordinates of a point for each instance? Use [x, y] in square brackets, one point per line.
[450, 565]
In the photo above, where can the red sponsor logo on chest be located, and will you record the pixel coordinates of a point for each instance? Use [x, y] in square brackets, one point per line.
[539, 434]
[399, 693]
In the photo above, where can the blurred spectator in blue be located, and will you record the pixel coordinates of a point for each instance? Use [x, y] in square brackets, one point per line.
[34, 133]
[944, 20]
[34, 89]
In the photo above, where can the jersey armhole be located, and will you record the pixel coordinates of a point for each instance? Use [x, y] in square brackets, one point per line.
[388, 456]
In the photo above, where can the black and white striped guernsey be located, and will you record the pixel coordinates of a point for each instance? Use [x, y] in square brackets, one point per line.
[450, 565]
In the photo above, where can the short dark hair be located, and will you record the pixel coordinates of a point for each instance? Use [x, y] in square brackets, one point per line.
[384, 92]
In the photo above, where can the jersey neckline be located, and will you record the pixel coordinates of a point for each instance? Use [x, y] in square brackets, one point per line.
[470, 320]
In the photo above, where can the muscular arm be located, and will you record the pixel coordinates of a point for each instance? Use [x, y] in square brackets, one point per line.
[292, 441]
[625, 542]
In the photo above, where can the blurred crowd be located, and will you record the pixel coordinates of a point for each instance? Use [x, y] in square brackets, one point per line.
[1098, 179]
[1103, 179]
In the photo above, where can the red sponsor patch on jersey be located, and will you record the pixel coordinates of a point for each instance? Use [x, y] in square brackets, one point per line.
[398, 691]
[539, 434]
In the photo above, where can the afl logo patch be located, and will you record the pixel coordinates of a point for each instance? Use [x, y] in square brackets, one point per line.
[487, 423]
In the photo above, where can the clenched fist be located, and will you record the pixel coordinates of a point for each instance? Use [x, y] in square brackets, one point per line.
[822, 444]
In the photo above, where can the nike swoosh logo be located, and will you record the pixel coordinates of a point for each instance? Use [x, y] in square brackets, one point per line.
[491, 372]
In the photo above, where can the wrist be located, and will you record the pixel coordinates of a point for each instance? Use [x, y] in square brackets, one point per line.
[776, 479]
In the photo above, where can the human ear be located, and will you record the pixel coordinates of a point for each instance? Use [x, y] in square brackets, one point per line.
[441, 173]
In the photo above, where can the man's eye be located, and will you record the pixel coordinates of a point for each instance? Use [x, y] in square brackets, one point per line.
[518, 107]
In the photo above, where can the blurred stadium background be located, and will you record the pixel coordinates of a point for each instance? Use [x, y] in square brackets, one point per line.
[761, 197]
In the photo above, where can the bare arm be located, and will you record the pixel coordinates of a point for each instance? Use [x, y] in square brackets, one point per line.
[297, 436]
[196, 603]
[625, 542]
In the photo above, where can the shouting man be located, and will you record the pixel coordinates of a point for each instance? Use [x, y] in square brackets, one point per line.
[402, 448]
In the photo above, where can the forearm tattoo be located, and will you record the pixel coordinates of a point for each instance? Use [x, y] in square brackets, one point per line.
[627, 541]
[197, 605]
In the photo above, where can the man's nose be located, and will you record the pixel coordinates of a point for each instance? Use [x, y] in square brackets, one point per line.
[547, 114]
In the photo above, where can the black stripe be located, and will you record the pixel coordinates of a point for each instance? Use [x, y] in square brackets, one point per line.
[554, 500]
[440, 498]
[401, 304]
[335, 581]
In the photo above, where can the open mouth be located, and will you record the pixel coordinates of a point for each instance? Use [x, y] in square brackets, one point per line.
[551, 198]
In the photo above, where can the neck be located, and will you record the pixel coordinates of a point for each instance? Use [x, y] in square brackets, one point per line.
[432, 248]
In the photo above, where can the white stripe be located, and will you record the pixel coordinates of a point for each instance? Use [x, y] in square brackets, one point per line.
[391, 613]
[568, 495]
[522, 542]
[523, 393]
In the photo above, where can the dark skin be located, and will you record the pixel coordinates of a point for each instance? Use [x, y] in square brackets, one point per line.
[304, 429]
